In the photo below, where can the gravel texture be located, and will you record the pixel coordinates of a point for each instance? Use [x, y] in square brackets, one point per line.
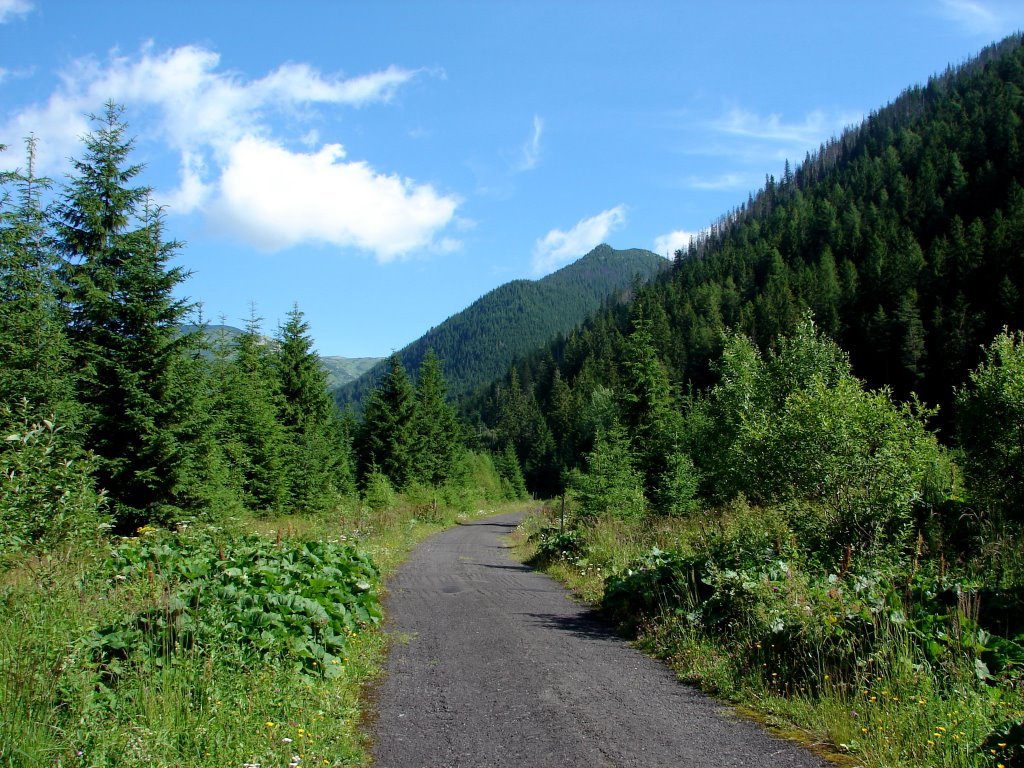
[494, 665]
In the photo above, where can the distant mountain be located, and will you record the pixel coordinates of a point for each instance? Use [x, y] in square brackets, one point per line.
[477, 344]
[340, 370]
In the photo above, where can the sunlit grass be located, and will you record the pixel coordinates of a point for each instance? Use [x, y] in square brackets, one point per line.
[196, 709]
[894, 707]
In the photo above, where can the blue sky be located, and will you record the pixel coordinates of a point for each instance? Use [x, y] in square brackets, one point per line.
[385, 164]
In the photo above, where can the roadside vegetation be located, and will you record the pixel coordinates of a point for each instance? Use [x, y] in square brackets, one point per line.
[192, 537]
[837, 570]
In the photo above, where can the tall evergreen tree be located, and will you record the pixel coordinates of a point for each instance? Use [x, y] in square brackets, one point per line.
[248, 407]
[385, 441]
[435, 425]
[134, 378]
[320, 460]
[33, 345]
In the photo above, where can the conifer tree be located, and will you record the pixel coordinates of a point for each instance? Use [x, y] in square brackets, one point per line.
[320, 464]
[248, 407]
[435, 426]
[33, 346]
[385, 442]
[132, 362]
[651, 418]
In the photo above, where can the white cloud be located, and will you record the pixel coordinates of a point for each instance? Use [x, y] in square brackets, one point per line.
[977, 18]
[815, 128]
[557, 247]
[667, 245]
[722, 182]
[220, 125]
[275, 198]
[11, 8]
[530, 152]
[197, 105]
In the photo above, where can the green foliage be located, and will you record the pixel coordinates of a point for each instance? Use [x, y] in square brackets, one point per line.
[437, 435]
[46, 498]
[990, 427]
[136, 380]
[245, 600]
[385, 442]
[610, 485]
[378, 492]
[34, 355]
[798, 426]
[320, 466]
[507, 465]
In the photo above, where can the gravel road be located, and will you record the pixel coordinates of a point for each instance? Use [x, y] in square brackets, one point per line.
[496, 666]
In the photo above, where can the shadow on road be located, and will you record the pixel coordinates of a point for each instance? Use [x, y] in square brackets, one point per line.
[512, 567]
[582, 625]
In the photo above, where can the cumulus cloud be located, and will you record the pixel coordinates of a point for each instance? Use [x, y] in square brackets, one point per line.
[11, 8]
[667, 245]
[275, 198]
[220, 125]
[530, 152]
[557, 247]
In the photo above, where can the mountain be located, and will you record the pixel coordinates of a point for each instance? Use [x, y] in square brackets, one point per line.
[340, 370]
[477, 344]
[904, 237]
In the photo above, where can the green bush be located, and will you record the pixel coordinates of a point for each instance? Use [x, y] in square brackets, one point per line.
[46, 497]
[798, 425]
[990, 426]
[245, 600]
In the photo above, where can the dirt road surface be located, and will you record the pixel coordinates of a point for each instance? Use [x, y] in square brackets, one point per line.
[495, 665]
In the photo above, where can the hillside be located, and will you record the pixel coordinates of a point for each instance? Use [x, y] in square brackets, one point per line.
[478, 343]
[904, 237]
[340, 370]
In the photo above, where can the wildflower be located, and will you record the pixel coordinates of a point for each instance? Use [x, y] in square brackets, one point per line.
[270, 723]
[286, 740]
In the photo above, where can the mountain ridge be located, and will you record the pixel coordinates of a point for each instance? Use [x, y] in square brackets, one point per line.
[478, 343]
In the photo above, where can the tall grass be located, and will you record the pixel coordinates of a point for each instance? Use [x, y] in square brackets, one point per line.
[58, 706]
[863, 660]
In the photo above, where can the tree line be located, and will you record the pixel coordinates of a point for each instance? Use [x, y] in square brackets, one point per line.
[903, 240]
[114, 410]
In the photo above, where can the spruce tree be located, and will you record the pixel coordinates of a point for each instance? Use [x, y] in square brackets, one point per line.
[135, 375]
[33, 347]
[435, 426]
[320, 465]
[386, 441]
[248, 407]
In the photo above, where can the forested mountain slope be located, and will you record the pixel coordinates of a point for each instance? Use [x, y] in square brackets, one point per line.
[478, 343]
[904, 237]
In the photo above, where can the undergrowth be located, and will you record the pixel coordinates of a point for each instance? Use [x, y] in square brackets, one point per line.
[892, 659]
[250, 643]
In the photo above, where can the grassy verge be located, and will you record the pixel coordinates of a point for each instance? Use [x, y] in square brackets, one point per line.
[866, 666]
[74, 691]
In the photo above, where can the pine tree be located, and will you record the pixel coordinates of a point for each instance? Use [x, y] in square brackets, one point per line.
[436, 427]
[34, 358]
[650, 416]
[385, 441]
[248, 405]
[134, 378]
[319, 459]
